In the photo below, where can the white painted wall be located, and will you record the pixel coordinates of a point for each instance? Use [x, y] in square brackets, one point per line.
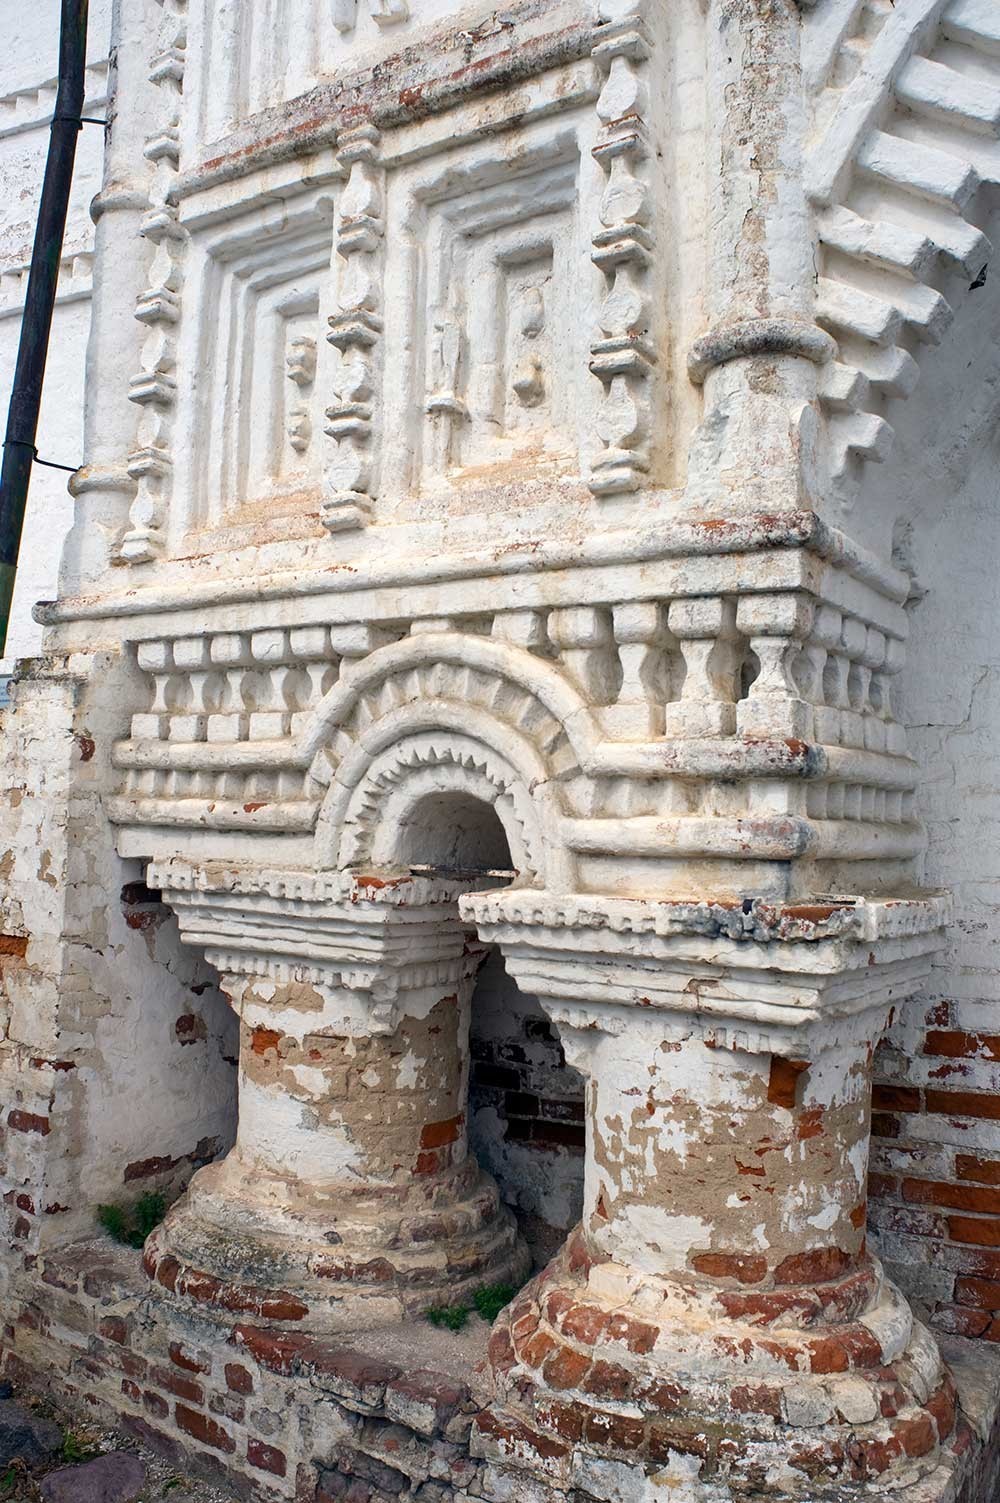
[28, 64]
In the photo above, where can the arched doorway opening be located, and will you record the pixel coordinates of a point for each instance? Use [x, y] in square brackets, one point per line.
[525, 1109]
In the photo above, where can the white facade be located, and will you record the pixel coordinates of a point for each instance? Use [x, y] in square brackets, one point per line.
[520, 448]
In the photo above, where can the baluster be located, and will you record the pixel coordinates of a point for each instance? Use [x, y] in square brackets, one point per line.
[706, 631]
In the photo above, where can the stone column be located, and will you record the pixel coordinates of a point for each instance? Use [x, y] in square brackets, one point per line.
[717, 1317]
[350, 1198]
[103, 488]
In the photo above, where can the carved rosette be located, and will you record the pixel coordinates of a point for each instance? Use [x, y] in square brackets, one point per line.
[356, 331]
[622, 356]
[154, 387]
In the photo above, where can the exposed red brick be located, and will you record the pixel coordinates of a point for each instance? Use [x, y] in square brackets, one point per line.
[167, 1272]
[190, 1361]
[131, 1365]
[917, 1436]
[783, 1080]
[957, 1321]
[566, 1420]
[577, 1253]
[958, 1197]
[616, 1432]
[637, 1335]
[885, 1125]
[14, 944]
[131, 1390]
[208, 1431]
[979, 1262]
[278, 1351]
[585, 1323]
[21, 1121]
[719, 1265]
[664, 1436]
[266, 1458]
[756, 1400]
[984, 1294]
[809, 1124]
[147, 1168]
[607, 1380]
[660, 1394]
[942, 1406]
[437, 1134]
[958, 1045]
[566, 1368]
[895, 1098]
[179, 1386]
[155, 1404]
[514, 1439]
[964, 1104]
[238, 1379]
[819, 1266]
[771, 1307]
[270, 1304]
[262, 1039]
[114, 1328]
[980, 1230]
[881, 1186]
[986, 1171]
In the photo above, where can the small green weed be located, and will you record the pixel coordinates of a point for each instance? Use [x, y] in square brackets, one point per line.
[448, 1317]
[77, 1448]
[491, 1299]
[488, 1302]
[131, 1225]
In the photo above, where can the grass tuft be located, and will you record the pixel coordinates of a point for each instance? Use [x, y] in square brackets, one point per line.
[131, 1225]
[492, 1298]
[448, 1317]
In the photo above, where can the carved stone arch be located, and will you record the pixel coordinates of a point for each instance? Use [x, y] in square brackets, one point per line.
[447, 716]
[382, 818]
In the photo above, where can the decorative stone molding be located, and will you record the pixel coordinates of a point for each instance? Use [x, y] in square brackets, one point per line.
[355, 330]
[154, 387]
[909, 113]
[662, 716]
[623, 355]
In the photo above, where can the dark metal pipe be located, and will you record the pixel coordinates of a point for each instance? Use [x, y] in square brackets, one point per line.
[26, 396]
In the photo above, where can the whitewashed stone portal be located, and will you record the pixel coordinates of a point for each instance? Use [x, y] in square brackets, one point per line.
[483, 535]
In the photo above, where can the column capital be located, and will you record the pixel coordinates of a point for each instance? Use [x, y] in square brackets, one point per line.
[368, 945]
[762, 977]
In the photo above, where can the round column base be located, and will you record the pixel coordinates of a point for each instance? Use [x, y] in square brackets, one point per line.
[246, 1250]
[732, 1393]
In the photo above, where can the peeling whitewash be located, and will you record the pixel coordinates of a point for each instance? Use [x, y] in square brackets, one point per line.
[521, 447]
